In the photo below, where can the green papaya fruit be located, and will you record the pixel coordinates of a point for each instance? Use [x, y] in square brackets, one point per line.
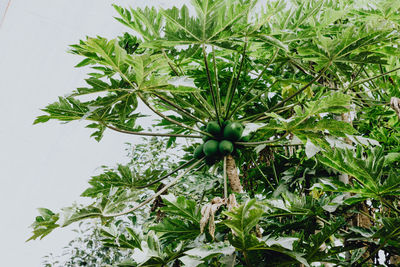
[233, 131]
[225, 147]
[206, 138]
[210, 148]
[214, 128]
[198, 152]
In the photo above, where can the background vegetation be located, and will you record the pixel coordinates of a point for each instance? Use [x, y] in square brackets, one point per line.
[312, 179]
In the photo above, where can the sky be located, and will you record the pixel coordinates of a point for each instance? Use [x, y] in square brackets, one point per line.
[47, 165]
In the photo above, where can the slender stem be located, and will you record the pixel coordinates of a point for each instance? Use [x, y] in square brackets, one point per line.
[375, 77]
[210, 84]
[253, 85]
[217, 91]
[284, 145]
[298, 165]
[225, 181]
[194, 95]
[275, 174]
[297, 93]
[381, 69]
[237, 80]
[169, 62]
[262, 142]
[262, 173]
[168, 118]
[355, 77]
[151, 134]
[246, 257]
[167, 175]
[199, 168]
[186, 113]
[389, 205]
[173, 182]
[196, 109]
[204, 103]
[373, 84]
[301, 90]
[278, 110]
[252, 100]
[285, 214]
[301, 68]
[328, 223]
[229, 90]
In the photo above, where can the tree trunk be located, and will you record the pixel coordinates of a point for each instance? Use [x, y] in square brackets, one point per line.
[233, 176]
[395, 260]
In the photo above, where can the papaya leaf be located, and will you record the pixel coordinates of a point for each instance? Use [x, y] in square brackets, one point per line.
[44, 224]
[242, 220]
[372, 181]
[130, 240]
[181, 207]
[173, 229]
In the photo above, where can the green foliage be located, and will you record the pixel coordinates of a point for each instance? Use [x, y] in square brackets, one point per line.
[44, 224]
[304, 87]
[183, 221]
[95, 252]
[371, 179]
[242, 220]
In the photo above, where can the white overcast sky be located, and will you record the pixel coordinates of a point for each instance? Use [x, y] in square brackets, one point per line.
[47, 165]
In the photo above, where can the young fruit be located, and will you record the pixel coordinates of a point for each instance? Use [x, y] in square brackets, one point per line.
[214, 128]
[210, 148]
[206, 138]
[225, 147]
[233, 131]
[224, 123]
[198, 152]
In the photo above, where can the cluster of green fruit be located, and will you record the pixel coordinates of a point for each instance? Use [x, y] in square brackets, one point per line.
[221, 143]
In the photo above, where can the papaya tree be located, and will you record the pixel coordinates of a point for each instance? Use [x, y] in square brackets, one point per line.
[275, 101]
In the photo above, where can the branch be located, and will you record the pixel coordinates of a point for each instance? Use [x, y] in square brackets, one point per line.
[210, 83]
[295, 94]
[204, 103]
[151, 134]
[167, 175]
[253, 85]
[229, 90]
[277, 111]
[168, 118]
[195, 108]
[169, 62]
[216, 80]
[236, 81]
[373, 78]
[262, 173]
[262, 142]
[155, 195]
[225, 181]
[252, 99]
[301, 90]
[188, 114]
